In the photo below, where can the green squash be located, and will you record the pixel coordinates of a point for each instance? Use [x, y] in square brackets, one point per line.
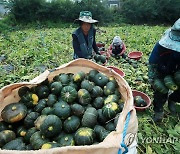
[97, 91]
[21, 131]
[66, 140]
[84, 136]
[170, 83]
[38, 122]
[110, 110]
[98, 102]
[103, 135]
[37, 140]
[177, 77]
[62, 110]
[6, 136]
[102, 59]
[23, 90]
[68, 94]
[51, 126]
[14, 112]
[109, 88]
[51, 100]
[29, 147]
[71, 124]
[41, 105]
[101, 118]
[30, 118]
[111, 98]
[16, 144]
[92, 74]
[4, 125]
[110, 126]
[63, 78]
[112, 79]
[79, 76]
[101, 79]
[30, 99]
[90, 117]
[88, 85]
[56, 88]
[42, 91]
[139, 101]
[84, 96]
[50, 145]
[77, 110]
[29, 133]
[160, 86]
[47, 111]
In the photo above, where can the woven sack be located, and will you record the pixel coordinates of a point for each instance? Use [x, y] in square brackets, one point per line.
[121, 140]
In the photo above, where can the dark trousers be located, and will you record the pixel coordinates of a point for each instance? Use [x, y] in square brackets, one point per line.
[160, 99]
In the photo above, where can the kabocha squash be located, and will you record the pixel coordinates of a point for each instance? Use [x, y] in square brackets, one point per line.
[42, 91]
[41, 105]
[92, 74]
[29, 133]
[90, 117]
[177, 77]
[101, 80]
[139, 101]
[62, 110]
[78, 77]
[21, 131]
[23, 90]
[38, 122]
[88, 85]
[49, 145]
[68, 94]
[111, 98]
[71, 124]
[30, 118]
[6, 136]
[160, 86]
[84, 136]
[51, 126]
[113, 80]
[97, 91]
[109, 88]
[63, 78]
[66, 140]
[103, 135]
[84, 96]
[101, 118]
[110, 110]
[56, 88]
[30, 99]
[47, 111]
[37, 140]
[51, 100]
[4, 125]
[169, 83]
[98, 102]
[77, 110]
[110, 126]
[14, 112]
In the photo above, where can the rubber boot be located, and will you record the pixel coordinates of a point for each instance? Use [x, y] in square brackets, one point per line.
[158, 116]
[171, 106]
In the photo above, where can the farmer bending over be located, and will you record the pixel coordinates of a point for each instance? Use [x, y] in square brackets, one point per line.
[165, 60]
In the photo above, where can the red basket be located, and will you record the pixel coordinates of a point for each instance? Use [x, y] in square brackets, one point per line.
[144, 96]
[135, 55]
[100, 45]
[117, 70]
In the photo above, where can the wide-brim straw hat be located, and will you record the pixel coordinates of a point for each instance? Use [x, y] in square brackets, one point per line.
[171, 37]
[86, 16]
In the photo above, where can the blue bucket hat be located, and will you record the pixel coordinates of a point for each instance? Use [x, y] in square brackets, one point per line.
[171, 38]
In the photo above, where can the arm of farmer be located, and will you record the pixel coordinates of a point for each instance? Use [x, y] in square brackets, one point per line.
[76, 47]
[153, 63]
[96, 49]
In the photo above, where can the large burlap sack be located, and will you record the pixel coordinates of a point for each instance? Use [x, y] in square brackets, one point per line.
[126, 130]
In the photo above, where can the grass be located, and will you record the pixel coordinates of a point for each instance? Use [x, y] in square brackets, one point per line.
[34, 48]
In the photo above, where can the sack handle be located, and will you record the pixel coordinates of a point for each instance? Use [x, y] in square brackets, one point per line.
[124, 134]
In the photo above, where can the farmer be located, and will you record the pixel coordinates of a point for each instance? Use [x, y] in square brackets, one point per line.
[165, 60]
[84, 37]
[117, 47]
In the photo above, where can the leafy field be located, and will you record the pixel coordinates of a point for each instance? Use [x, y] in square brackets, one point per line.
[26, 53]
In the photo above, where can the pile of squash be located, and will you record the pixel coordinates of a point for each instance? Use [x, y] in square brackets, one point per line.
[73, 109]
[170, 82]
